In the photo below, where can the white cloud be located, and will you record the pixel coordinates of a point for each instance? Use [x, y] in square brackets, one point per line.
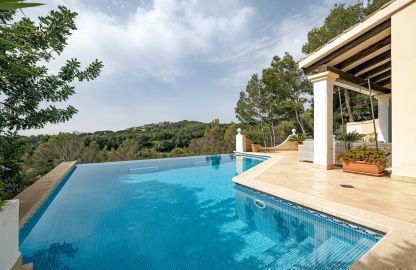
[154, 42]
[288, 35]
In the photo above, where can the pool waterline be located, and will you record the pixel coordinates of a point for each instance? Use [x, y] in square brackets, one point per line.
[166, 183]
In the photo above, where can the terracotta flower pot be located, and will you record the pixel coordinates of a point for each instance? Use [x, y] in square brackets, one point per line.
[255, 147]
[362, 167]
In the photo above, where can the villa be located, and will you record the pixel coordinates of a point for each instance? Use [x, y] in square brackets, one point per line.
[277, 212]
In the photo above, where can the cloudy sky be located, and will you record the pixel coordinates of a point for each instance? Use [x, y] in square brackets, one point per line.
[169, 60]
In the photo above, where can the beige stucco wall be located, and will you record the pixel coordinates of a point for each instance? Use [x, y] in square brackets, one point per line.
[363, 127]
[404, 92]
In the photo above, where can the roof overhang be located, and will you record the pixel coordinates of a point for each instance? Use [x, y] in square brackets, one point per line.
[362, 52]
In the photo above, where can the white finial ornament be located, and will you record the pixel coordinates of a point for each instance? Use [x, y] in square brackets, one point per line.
[239, 131]
[294, 131]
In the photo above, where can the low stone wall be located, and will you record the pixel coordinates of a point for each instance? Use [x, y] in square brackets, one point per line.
[306, 150]
[33, 197]
[286, 145]
[10, 257]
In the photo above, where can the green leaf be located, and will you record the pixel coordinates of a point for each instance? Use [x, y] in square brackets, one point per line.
[16, 4]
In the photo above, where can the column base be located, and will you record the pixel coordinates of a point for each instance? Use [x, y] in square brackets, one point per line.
[324, 166]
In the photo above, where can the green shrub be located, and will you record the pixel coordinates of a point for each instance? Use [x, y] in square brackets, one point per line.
[351, 137]
[366, 154]
[299, 138]
[254, 136]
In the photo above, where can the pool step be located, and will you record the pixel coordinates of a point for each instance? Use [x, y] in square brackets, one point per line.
[28, 266]
[283, 255]
[355, 251]
[327, 255]
[334, 253]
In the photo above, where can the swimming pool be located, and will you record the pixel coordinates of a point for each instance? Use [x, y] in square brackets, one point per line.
[182, 213]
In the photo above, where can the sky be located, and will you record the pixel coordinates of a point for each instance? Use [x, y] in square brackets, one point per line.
[171, 60]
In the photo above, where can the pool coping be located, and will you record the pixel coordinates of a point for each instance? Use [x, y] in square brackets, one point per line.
[398, 233]
[32, 198]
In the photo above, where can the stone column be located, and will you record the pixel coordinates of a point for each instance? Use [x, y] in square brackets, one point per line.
[384, 118]
[323, 86]
[240, 142]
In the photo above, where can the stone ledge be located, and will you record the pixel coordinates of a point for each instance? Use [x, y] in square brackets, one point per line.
[33, 197]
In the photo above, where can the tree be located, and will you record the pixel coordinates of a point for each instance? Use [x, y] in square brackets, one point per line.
[29, 92]
[340, 18]
[290, 85]
[229, 137]
[90, 153]
[211, 143]
[275, 99]
[255, 106]
[63, 147]
[25, 82]
[12, 150]
[126, 151]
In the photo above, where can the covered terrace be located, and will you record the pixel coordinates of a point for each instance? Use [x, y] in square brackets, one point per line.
[375, 57]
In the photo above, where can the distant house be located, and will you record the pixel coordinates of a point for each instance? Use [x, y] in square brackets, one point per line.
[382, 48]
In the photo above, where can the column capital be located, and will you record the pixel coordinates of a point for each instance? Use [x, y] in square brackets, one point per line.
[327, 75]
[383, 96]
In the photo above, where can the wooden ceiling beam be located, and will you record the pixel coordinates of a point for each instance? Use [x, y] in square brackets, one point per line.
[374, 31]
[376, 70]
[345, 76]
[371, 62]
[381, 76]
[364, 53]
[384, 82]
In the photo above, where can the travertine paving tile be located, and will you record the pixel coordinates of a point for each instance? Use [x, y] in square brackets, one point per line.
[376, 202]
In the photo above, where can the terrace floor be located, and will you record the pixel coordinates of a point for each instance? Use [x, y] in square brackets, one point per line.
[375, 202]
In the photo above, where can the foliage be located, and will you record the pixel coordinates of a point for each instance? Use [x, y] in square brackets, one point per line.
[299, 138]
[366, 154]
[16, 4]
[340, 18]
[59, 148]
[12, 149]
[211, 143]
[126, 151]
[275, 102]
[353, 136]
[29, 92]
[289, 87]
[229, 137]
[254, 134]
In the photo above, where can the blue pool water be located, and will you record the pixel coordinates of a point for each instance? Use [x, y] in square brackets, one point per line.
[182, 213]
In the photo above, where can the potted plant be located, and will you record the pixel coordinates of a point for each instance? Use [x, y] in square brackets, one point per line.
[255, 138]
[364, 160]
[299, 138]
[349, 138]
